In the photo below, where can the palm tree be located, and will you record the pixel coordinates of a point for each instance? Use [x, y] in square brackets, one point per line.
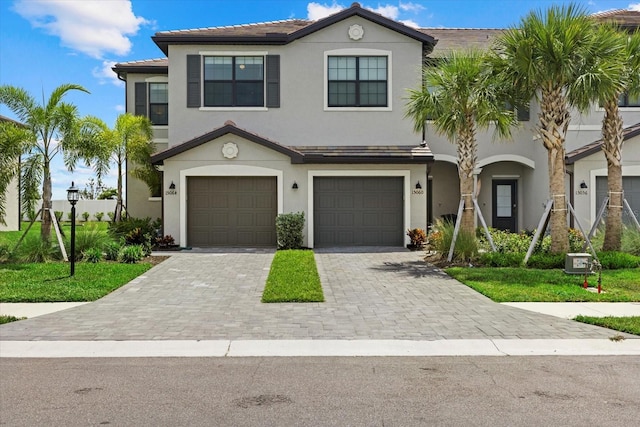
[551, 56]
[460, 96]
[626, 81]
[130, 140]
[52, 127]
[12, 137]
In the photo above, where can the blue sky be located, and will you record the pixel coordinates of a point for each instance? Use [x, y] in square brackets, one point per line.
[45, 43]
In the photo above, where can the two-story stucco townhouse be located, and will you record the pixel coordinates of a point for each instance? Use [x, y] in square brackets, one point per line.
[255, 120]
[12, 199]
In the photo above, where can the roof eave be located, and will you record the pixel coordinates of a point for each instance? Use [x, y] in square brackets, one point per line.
[163, 41]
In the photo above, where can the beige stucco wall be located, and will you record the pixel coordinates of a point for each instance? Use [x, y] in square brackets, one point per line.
[301, 118]
[255, 159]
[12, 208]
[589, 168]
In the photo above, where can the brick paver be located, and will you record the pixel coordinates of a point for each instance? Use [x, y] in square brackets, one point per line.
[370, 294]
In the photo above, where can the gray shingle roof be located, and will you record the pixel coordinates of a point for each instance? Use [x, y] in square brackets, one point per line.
[589, 149]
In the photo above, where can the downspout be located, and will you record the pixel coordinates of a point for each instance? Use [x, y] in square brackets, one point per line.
[571, 195]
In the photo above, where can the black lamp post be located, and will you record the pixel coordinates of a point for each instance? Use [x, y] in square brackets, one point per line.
[72, 196]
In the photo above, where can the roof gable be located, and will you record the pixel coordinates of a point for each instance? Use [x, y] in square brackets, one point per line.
[228, 128]
[279, 32]
[596, 146]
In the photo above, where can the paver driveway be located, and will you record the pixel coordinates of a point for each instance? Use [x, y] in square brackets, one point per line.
[369, 295]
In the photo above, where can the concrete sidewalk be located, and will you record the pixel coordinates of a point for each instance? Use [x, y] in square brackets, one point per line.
[564, 310]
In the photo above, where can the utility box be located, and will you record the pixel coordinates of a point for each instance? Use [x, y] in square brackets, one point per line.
[579, 263]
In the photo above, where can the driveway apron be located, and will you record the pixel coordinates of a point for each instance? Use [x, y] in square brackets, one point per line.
[370, 294]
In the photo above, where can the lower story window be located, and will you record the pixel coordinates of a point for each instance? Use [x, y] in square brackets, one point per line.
[627, 100]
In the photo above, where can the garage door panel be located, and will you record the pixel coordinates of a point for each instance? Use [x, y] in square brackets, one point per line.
[631, 188]
[231, 211]
[354, 211]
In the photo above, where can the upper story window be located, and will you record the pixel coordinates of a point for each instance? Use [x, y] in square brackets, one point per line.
[152, 100]
[357, 81]
[626, 100]
[234, 81]
[159, 103]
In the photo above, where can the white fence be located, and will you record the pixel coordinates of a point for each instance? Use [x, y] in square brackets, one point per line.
[90, 206]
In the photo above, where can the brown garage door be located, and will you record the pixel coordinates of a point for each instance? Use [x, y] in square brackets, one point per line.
[358, 211]
[231, 211]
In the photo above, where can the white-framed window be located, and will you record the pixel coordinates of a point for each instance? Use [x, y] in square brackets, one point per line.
[357, 80]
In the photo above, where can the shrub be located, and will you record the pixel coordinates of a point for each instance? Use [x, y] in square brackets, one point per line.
[111, 216]
[69, 216]
[111, 250]
[34, 249]
[126, 226]
[498, 259]
[631, 240]
[576, 240]
[89, 237]
[417, 236]
[165, 242]
[99, 216]
[58, 215]
[466, 244]
[289, 230]
[616, 260]
[5, 254]
[85, 216]
[546, 261]
[92, 255]
[131, 254]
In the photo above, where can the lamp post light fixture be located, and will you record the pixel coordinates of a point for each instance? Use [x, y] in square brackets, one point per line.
[73, 196]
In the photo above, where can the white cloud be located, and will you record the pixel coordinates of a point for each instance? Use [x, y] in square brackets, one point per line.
[388, 11]
[410, 23]
[119, 108]
[411, 7]
[105, 74]
[93, 27]
[634, 6]
[317, 11]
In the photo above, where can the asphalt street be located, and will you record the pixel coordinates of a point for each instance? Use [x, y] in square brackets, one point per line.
[317, 391]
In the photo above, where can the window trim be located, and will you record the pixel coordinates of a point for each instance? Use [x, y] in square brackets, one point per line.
[358, 52]
[233, 53]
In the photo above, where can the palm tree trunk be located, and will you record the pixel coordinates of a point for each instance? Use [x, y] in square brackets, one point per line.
[612, 148]
[553, 126]
[467, 159]
[45, 226]
[118, 213]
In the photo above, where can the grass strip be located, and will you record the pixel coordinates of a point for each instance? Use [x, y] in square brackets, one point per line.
[533, 285]
[50, 282]
[8, 319]
[293, 277]
[629, 325]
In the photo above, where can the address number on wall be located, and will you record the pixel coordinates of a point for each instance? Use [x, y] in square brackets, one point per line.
[417, 192]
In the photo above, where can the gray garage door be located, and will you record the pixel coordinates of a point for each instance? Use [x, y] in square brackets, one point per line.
[631, 187]
[358, 211]
[231, 211]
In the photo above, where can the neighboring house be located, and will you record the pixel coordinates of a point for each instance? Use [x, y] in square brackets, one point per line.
[261, 119]
[12, 207]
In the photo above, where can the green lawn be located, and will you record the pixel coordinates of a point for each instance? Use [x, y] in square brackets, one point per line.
[630, 325]
[10, 238]
[532, 285]
[50, 282]
[293, 278]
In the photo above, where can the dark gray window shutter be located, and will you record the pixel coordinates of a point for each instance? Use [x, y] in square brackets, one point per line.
[273, 81]
[193, 81]
[523, 113]
[140, 99]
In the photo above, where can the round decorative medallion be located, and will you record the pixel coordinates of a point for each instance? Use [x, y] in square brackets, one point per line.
[356, 32]
[230, 150]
